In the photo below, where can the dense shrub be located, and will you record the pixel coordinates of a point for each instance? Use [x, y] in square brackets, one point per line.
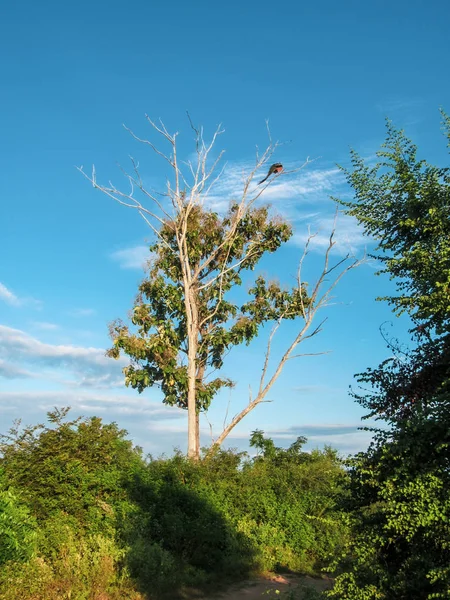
[399, 503]
[97, 520]
[78, 467]
[72, 478]
[229, 514]
[17, 527]
[77, 568]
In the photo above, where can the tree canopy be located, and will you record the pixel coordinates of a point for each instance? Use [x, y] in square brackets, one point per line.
[185, 318]
[398, 504]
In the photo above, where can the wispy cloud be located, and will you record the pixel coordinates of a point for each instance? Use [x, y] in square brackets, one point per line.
[396, 104]
[403, 111]
[303, 198]
[88, 365]
[82, 312]
[312, 389]
[308, 186]
[8, 296]
[345, 437]
[11, 371]
[349, 236]
[45, 326]
[148, 421]
[135, 257]
[317, 430]
[99, 382]
[12, 299]
[92, 402]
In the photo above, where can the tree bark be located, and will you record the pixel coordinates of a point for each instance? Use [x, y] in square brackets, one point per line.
[192, 373]
[197, 435]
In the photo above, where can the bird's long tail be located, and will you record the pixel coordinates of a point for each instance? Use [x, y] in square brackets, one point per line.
[263, 180]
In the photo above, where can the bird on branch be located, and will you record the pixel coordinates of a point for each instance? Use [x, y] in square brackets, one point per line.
[275, 168]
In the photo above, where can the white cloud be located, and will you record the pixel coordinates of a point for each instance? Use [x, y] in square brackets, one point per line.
[303, 198]
[397, 104]
[99, 382]
[346, 438]
[111, 404]
[135, 257]
[10, 298]
[348, 236]
[44, 325]
[147, 421]
[307, 185]
[82, 312]
[290, 194]
[11, 371]
[89, 365]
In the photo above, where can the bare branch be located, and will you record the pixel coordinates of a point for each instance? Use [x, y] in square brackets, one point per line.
[186, 189]
[317, 300]
[152, 146]
[163, 131]
[267, 356]
[309, 354]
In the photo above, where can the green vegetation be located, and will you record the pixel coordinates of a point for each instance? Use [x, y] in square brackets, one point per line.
[85, 516]
[398, 503]
[186, 317]
[158, 345]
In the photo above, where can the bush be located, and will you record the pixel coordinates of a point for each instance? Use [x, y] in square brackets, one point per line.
[228, 515]
[102, 521]
[64, 542]
[17, 528]
[77, 569]
[79, 467]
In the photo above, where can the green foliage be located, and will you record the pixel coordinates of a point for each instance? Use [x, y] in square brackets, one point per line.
[92, 519]
[398, 502]
[404, 202]
[158, 346]
[76, 467]
[62, 537]
[17, 527]
[399, 510]
[228, 514]
[268, 451]
[80, 568]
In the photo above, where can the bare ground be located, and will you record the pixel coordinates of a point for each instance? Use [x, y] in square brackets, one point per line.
[265, 587]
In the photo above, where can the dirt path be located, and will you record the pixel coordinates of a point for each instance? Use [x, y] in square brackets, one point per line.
[258, 589]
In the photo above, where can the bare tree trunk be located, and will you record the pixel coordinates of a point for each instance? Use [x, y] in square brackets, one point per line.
[197, 440]
[192, 322]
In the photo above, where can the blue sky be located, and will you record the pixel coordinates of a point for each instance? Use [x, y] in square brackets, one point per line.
[325, 74]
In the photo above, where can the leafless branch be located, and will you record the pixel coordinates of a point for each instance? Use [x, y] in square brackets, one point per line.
[152, 146]
[187, 189]
[317, 301]
[309, 354]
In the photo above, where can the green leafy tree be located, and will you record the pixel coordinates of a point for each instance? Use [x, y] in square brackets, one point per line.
[403, 203]
[399, 504]
[78, 468]
[185, 320]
